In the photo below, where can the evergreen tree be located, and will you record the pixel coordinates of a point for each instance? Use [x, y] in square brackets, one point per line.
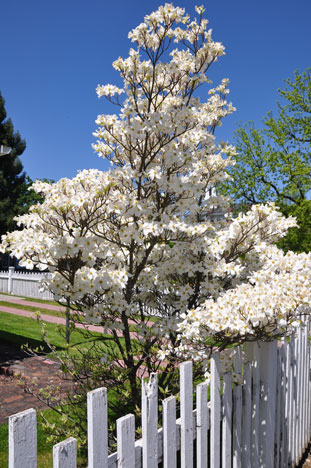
[14, 198]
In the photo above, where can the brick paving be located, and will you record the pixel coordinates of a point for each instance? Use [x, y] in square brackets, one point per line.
[39, 371]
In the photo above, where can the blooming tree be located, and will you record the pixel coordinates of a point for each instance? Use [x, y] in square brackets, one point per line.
[139, 240]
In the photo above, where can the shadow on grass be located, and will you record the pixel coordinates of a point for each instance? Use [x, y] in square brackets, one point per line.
[19, 340]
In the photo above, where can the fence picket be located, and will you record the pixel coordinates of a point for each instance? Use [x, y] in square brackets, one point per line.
[97, 428]
[65, 454]
[227, 420]
[215, 410]
[26, 284]
[277, 426]
[296, 400]
[255, 403]
[186, 407]
[237, 404]
[308, 381]
[284, 405]
[303, 396]
[149, 421]
[291, 425]
[126, 441]
[23, 439]
[169, 433]
[10, 280]
[202, 425]
[268, 402]
[304, 389]
[247, 416]
[300, 395]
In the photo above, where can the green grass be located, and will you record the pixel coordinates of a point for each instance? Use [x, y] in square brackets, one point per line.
[26, 331]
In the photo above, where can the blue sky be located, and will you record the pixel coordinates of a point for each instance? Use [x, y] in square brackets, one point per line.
[54, 53]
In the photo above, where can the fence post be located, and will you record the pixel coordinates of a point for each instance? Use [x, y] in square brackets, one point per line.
[23, 439]
[10, 280]
[65, 454]
[97, 428]
[150, 422]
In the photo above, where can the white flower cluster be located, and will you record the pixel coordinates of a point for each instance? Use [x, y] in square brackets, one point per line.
[140, 239]
[108, 90]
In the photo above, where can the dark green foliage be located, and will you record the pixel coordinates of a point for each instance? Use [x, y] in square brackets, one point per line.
[12, 178]
[274, 163]
[298, 239]
[15, 198]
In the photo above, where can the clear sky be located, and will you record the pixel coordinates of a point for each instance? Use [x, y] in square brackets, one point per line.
[54, 53]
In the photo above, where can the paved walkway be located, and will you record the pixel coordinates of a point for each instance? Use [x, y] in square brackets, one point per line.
[53, 318]
[38, 370]
[50, 318]
[21, 301]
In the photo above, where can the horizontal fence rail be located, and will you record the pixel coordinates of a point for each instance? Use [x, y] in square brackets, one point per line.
[257, 418]
[26, 284]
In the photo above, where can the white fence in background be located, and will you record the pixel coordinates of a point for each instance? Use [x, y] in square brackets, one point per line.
[26, 284]
[261, 422]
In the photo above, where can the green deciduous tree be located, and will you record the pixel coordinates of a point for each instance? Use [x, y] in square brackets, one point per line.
[274, 163]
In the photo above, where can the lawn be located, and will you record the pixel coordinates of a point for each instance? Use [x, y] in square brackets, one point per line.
[27, 331]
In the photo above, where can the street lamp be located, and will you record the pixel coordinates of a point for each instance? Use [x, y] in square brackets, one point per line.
[4, 150]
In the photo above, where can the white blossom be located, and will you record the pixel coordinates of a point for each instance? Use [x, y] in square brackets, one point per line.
[139, 239]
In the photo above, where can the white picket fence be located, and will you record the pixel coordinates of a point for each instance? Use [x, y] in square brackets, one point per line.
[263, 421]
[26, 284]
